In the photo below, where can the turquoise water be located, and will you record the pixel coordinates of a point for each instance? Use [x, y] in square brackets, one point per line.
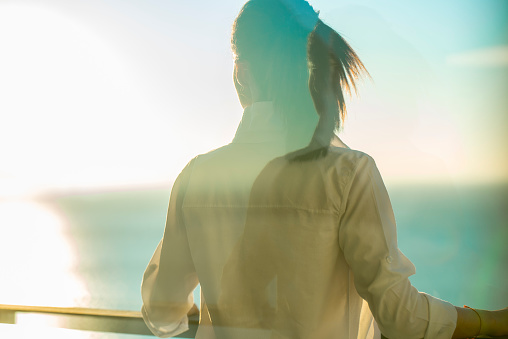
[456, 237]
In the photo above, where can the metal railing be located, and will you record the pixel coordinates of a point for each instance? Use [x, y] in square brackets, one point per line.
[98, 320]
[90, 319]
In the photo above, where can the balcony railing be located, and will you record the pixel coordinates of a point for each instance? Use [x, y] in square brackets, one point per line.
[90, 319]
[98, 320]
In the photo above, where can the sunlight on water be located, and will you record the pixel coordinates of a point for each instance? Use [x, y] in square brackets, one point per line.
[37, 259]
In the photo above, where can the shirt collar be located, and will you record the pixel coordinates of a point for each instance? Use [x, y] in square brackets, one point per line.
[260, 123]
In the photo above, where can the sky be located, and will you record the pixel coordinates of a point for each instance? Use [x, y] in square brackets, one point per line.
[120, 93]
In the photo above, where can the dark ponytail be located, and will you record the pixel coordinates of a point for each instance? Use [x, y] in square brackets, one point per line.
[333, 62]
[334, 69]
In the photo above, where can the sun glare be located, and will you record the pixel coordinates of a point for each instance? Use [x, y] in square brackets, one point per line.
[37, 259]
[70, 106]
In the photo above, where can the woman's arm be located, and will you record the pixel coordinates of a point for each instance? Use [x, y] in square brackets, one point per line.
[471, 323]
[170, 276]
[368, 240]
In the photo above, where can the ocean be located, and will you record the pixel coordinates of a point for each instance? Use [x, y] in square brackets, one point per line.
[91, 249]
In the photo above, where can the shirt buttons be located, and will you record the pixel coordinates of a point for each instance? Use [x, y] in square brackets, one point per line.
[389, 259]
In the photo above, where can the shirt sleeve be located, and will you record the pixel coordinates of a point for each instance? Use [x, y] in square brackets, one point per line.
[170, 277]
[368, 239]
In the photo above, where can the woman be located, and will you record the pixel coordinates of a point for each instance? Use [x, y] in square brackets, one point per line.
[290, 233]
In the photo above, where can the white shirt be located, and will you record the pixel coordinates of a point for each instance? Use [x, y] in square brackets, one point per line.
[285, 249]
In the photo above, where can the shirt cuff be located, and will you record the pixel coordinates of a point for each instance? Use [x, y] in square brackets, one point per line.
[166, 331]
[442, 318]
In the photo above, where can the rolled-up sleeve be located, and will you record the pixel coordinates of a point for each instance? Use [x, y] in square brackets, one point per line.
[170, 277]
[368, 240]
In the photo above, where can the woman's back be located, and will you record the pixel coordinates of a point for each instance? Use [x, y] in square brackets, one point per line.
[287, 273]
[263, 233]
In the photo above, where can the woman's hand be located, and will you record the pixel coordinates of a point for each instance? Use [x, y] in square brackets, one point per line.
[475, 322]
[498, 323]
